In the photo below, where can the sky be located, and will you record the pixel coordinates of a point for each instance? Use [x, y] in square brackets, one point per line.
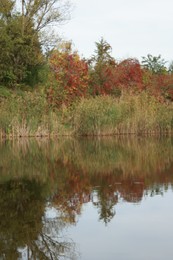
[133, 28]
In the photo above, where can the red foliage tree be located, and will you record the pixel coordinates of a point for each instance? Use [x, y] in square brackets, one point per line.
[159, 85]
[102, 66]
[103, 81]
[113, 77]
[70, 77]
[129, 75]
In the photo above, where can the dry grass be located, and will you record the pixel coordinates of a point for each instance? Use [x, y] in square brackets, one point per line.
[27, 114]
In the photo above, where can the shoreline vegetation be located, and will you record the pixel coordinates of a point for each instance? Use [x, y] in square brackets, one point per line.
[48, 89]
[80, 99]
[27, 115]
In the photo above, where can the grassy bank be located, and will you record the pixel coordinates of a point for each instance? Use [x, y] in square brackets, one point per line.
[24, 114]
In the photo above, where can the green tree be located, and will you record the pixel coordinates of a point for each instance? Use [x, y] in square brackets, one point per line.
[170, 69]
[20, 55]
[44, 15]
[22, 27]
[101, 64]
[154, 63]
[102, 52]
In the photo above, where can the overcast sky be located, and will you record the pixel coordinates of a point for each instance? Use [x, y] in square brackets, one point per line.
[134, 28]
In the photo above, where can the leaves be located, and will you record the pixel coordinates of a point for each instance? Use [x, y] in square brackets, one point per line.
[70, 77]
[154, 63]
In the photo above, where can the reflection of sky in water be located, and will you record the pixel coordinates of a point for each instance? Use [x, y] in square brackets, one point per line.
[137, 232]
[50, 212]
[23, 252]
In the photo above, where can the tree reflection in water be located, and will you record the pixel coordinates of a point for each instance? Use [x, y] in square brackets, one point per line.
[39, 176]
[106, 199]
[115, 169]
[25, 230]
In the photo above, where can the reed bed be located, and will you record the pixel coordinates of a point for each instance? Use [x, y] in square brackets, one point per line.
[131, 114]
[28, 114]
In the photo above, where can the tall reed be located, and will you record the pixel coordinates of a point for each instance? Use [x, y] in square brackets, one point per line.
[26, 114]
[131, 114]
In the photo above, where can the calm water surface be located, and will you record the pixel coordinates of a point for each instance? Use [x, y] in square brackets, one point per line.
[88, 199]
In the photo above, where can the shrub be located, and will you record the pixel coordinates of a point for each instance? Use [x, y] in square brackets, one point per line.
[69, 79]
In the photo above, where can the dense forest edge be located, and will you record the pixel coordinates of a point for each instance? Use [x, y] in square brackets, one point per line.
[48, 89]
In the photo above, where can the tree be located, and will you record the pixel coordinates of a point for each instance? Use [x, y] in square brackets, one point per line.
[70, 76]
[44, 15]
[102, 53]
[101, 65]
[5, 8]
[20, 55]
[157, 79]
[22, 27]
[154, 63]
[128, 75]
[170, 69]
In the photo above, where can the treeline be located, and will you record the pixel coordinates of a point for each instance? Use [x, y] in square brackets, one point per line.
[74, 77]
[29, 57]
[47, 88]
[66, 77]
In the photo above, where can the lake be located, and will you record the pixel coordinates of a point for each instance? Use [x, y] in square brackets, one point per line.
[90, 198]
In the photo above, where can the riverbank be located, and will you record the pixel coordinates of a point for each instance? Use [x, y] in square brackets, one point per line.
[27, 113]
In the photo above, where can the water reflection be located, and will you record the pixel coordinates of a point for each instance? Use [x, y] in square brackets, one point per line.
[25, 230]
[45, 183]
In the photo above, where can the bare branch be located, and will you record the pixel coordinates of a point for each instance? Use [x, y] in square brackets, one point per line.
[46, 12]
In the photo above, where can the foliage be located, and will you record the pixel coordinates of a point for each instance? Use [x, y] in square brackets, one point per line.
[101, 69]
[69, 77]
[21, 24]
[110, 77]
[102, 53]
[155, 64]
[96, 97]
[159, 85]
[128, 75]
[20, 54]
[170, 68]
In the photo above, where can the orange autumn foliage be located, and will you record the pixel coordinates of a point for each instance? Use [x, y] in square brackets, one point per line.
[70, 78]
